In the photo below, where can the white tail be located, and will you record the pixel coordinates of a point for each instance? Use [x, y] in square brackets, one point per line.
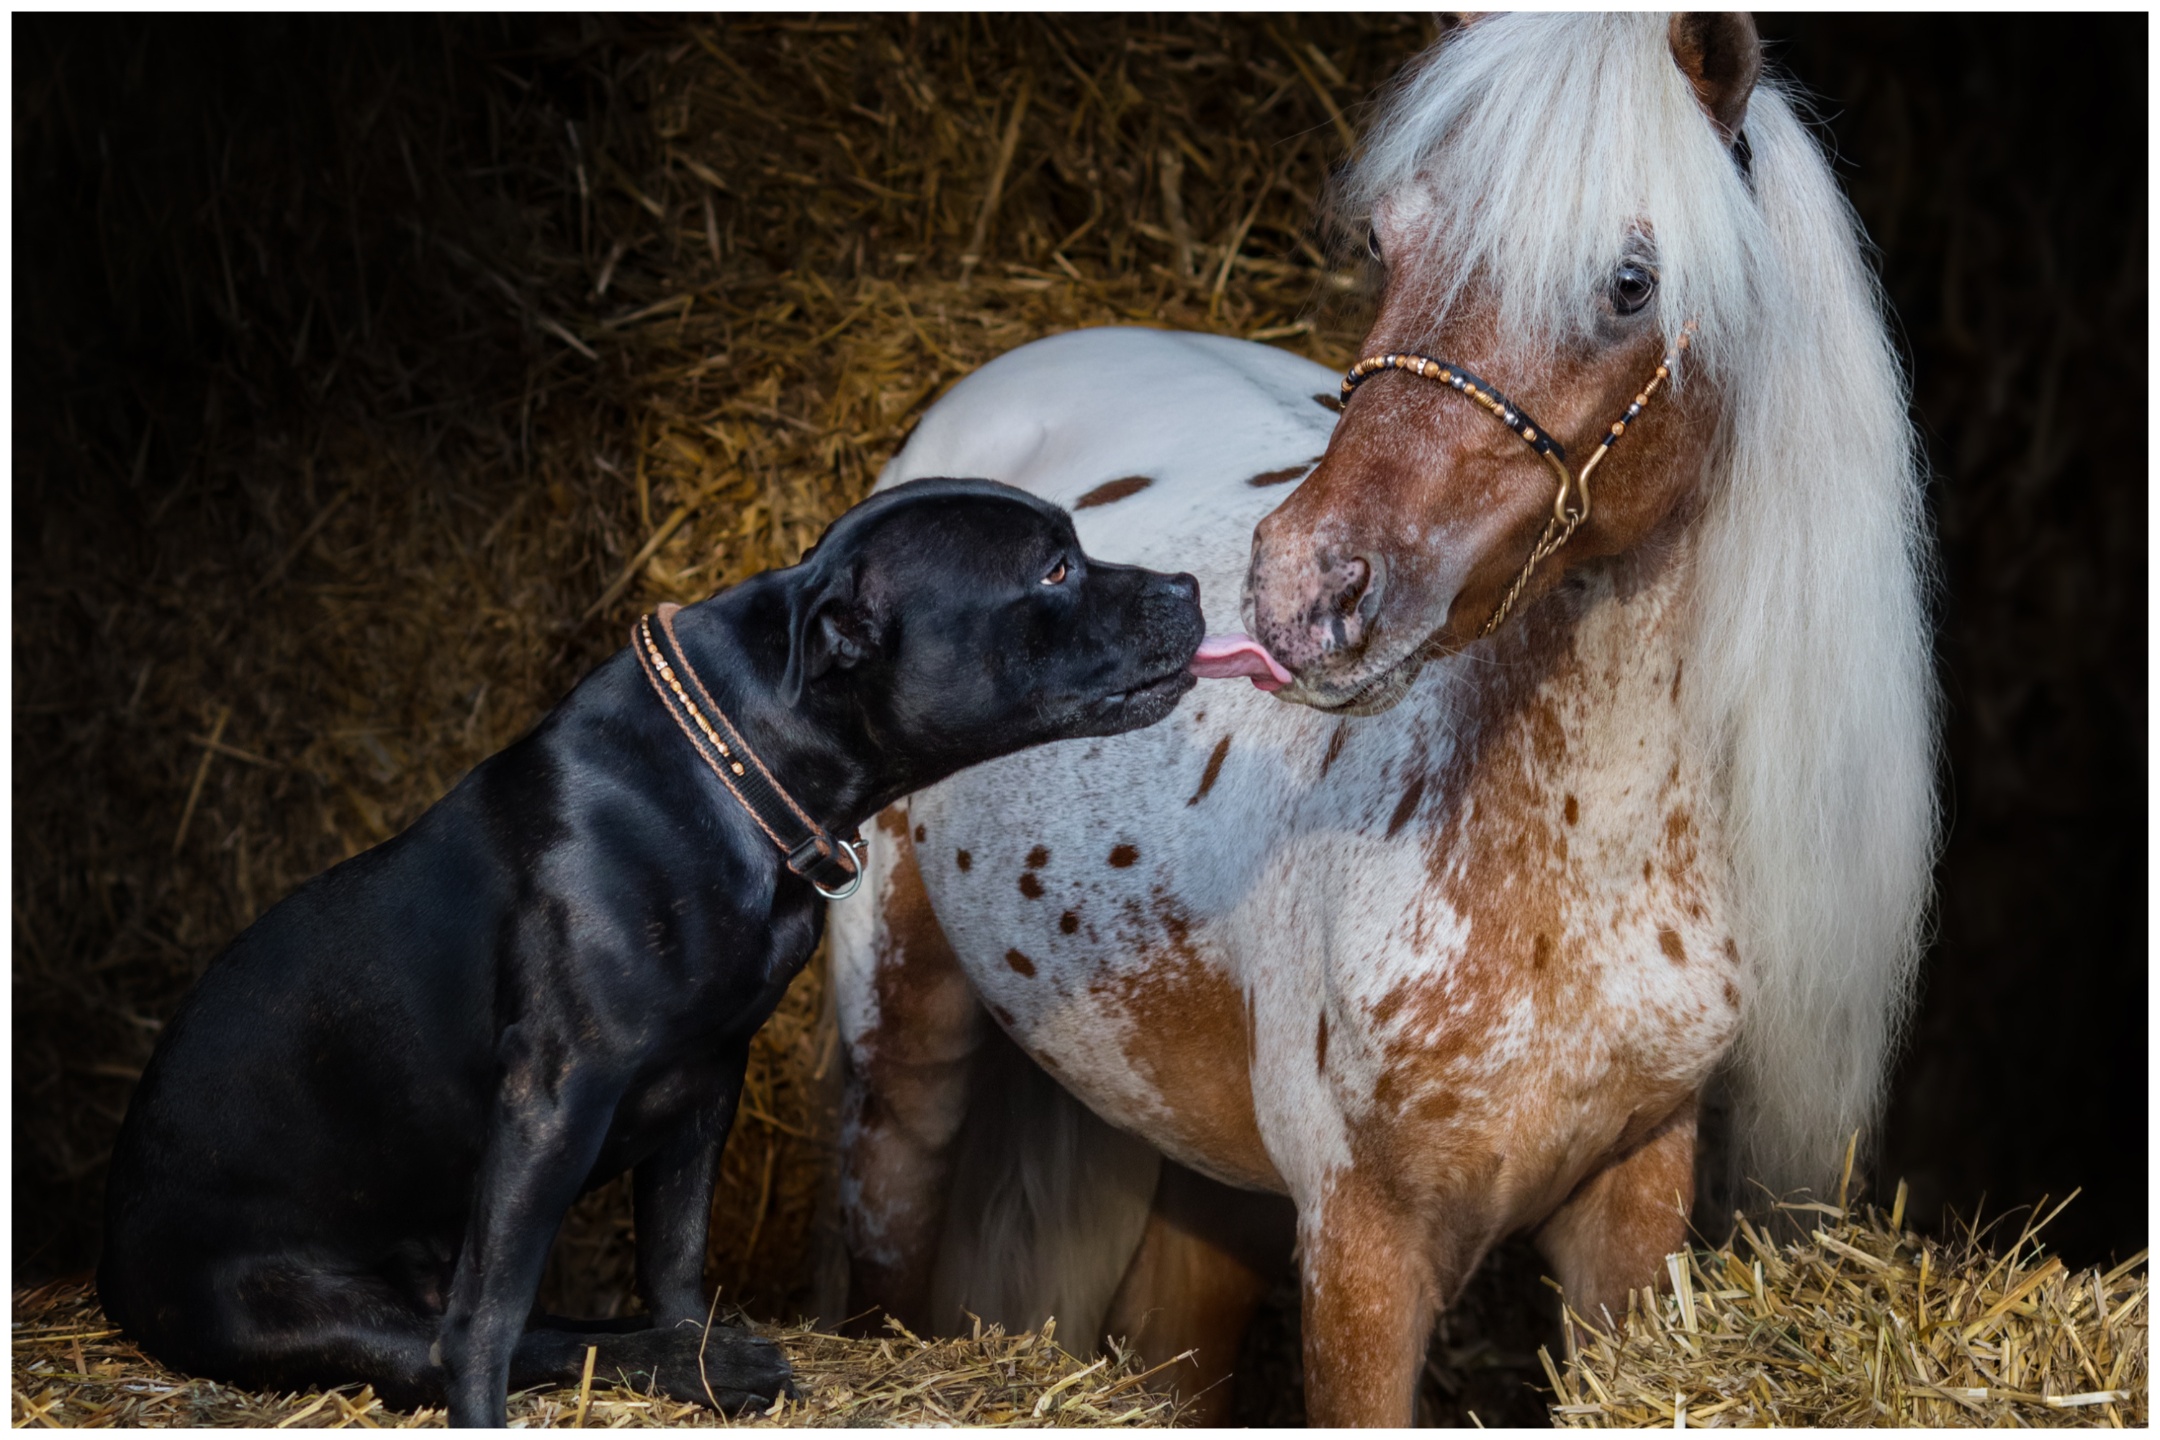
[1047, 1207]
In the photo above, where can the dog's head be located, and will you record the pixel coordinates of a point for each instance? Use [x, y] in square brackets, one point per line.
[961, 620]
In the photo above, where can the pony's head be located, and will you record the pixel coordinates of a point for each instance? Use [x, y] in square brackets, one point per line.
[1556, 201]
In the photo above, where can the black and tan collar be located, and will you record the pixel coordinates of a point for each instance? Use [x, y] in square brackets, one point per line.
[832, 864]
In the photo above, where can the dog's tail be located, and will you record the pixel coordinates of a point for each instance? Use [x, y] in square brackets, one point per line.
[1048, 1205]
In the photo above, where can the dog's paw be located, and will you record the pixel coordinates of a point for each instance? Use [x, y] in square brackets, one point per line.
[725, 1367]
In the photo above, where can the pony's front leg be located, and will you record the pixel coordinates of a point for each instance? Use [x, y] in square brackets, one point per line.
[1613, 1233]
[1371, 1290]
[912, 1026]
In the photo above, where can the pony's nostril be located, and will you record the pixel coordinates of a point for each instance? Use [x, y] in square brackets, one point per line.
[1357, 578]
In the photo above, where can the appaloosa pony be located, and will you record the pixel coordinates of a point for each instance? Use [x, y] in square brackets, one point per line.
[1606, 766]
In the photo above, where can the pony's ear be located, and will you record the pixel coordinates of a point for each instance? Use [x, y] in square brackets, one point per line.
[829, 628]
[1721, 55]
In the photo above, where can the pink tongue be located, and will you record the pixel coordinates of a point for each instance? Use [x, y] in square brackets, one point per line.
[1225, 657]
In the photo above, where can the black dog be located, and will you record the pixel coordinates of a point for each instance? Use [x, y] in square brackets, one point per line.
[352, 1150]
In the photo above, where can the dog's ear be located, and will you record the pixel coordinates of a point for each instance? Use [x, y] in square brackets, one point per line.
[829, 628]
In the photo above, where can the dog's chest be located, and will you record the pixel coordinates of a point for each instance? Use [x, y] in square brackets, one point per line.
[686, 1031]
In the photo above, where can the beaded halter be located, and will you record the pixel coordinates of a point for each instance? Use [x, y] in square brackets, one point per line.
[1571, 506]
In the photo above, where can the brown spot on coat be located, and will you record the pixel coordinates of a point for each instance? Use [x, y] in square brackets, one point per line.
[1678, 666]
[1732, 995]
[1571, 810]
[1030, 886]
[1541, 951]
[1069, 922]
[922, 833]
[1334, 747]
[1192, 1038]
[1020, 963]
[1668, 940]
[963, 859]
[1214, 769]
[1122, 857]
[1406, 807]
[1112, 491]
[1283, 476]
[1004, 1016]
[1038, 857]
[1320, 1046]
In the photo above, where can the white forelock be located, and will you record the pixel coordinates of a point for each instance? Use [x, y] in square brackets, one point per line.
[1530, 151]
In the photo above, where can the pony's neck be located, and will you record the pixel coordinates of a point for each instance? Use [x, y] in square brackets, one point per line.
[1594, 675]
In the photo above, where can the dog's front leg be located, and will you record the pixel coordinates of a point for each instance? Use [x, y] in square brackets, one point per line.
[673, 1192]
[551, 1116]
[730, 1367]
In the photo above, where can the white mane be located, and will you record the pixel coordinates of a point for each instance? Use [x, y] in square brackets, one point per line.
[1531, 148]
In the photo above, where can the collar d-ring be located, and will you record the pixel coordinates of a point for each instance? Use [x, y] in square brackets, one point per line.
[854, 881]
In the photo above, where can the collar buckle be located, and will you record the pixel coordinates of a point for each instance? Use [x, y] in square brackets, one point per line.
[817, 860]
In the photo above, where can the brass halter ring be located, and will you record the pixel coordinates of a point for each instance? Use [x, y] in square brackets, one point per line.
[1571, 505]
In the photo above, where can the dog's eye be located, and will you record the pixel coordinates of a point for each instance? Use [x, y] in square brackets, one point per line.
[1056, 575]
[1632, 286]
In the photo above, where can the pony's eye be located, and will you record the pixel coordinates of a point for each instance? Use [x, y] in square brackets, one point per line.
[1632, 286]
[1372, 242]
[1056, 575]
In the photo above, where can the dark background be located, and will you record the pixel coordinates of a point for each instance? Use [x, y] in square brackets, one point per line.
[1998, 162]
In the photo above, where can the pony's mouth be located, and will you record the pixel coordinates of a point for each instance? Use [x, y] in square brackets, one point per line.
[1380, 693]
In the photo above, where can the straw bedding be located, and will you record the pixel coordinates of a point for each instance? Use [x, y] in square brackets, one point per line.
[72, 1369]
[1860, 1322]
[1856, 1322]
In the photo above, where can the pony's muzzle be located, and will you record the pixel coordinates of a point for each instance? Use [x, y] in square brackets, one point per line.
[1317, 612]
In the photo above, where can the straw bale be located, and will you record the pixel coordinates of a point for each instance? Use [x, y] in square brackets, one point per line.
[1861, 1322]
[71, 1368]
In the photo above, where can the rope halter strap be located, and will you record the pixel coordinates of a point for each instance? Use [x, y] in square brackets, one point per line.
[833, 865]
[1571, 504]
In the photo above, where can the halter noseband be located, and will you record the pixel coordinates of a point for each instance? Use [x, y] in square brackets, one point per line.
[1571, 506]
